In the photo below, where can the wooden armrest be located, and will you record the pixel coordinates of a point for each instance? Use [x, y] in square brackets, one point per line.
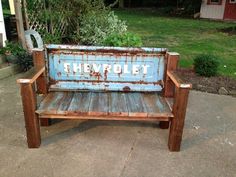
[32, 75]
[177, 80]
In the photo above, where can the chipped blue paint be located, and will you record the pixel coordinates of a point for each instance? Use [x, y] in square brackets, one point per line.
[105, 68]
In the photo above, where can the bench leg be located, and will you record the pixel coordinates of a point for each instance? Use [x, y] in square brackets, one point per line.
[31, 119]
[164, 124]
[45, 122]
[177, 123]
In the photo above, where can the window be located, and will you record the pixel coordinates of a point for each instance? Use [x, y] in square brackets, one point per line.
[216, 2]
[232, 1]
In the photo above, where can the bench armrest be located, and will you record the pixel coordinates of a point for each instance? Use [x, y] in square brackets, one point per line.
[177, 80]
[32, 76]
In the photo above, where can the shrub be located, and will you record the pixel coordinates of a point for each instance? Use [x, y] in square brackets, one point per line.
[123, 40]
[17, 55]
[96, 27]
[206, 65]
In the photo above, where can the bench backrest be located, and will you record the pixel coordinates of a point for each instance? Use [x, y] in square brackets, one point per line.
[105, 68]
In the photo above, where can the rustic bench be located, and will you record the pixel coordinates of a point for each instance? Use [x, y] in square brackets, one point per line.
[105, 83]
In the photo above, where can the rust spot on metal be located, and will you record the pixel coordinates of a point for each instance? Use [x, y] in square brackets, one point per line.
[126, 89]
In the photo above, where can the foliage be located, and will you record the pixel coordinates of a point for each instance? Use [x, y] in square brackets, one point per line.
[189, 37]
[206, 65]
[17, 55]
[96, 27]
[123, 40]
[79, 21]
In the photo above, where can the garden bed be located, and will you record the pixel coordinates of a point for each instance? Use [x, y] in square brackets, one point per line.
[217, 84]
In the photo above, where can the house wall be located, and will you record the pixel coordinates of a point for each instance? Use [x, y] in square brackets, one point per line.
[2, 25]
[230, 11]
[212, 11]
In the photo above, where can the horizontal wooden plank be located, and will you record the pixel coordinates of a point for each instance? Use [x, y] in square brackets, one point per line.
[177, 80]
[31, 75]
[107, 104]
[107, 117]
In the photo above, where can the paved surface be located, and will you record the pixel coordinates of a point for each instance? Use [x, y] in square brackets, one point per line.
[120, 149]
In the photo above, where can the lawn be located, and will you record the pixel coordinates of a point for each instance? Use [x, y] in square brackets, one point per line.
[188, 37]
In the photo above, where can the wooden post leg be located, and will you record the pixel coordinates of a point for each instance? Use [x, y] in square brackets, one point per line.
[31, 119]
[39, 61]
[177, 123]
[164, 124]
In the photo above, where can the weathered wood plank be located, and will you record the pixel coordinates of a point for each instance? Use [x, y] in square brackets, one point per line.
[103, 117]
[79, 103]
[117, 104]
[135, 104]
[31, 119]
[31, 76]
[99, 104]
[65, 103]
[177, 123]
[156, 106]
[51, 103]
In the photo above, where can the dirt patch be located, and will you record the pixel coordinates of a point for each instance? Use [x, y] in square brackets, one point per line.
[208, 84]
[230, 30]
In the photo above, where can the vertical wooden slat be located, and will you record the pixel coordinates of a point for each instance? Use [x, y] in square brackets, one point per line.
[39, 61]
[80, 103]
[99, 104]
[31, 118]
[177, 123]
[117, 104]
[136, 105]
[171, 64]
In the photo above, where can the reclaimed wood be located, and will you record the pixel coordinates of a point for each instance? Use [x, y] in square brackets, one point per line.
[136, 105]
[114, 104]
[99, 104]
[41, 82]
[170, 102]
[172, 63]
[79, 104]
[177, 124]
[31, 118]
[177, 80]
[31, 75]
[117, 104]
[156, 105]
[102, 117]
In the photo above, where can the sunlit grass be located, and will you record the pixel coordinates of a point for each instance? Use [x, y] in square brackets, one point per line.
[188, 37]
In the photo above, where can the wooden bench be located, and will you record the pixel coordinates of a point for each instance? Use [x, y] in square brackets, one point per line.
[105, 83]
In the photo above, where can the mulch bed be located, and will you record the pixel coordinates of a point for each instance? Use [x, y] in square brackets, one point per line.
[208, 84]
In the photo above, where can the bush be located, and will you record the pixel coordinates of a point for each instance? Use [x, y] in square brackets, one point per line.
[206, 65]
[123, 40]
[17, 55]
[96, 27]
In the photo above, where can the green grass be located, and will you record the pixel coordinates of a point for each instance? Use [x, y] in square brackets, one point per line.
[188, 37]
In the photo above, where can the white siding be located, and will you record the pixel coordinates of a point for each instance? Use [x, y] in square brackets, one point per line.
[212, 11]
[2, 25]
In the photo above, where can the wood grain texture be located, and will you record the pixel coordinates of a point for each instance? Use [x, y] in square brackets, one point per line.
[117, 104]
[107, 104]
[99, 104]
[171, 65]
[31, 75]
[177, 123]
[79, 104]
[156, 106]
[102, 117]
[136, 105]
[177, 80]
[31, 119]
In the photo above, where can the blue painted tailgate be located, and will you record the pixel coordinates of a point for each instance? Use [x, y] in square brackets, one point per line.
[105, 68]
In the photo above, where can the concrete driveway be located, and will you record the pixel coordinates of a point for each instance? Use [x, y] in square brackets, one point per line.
[120, 149]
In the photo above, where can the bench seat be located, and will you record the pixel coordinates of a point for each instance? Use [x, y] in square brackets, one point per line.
[105, 105]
